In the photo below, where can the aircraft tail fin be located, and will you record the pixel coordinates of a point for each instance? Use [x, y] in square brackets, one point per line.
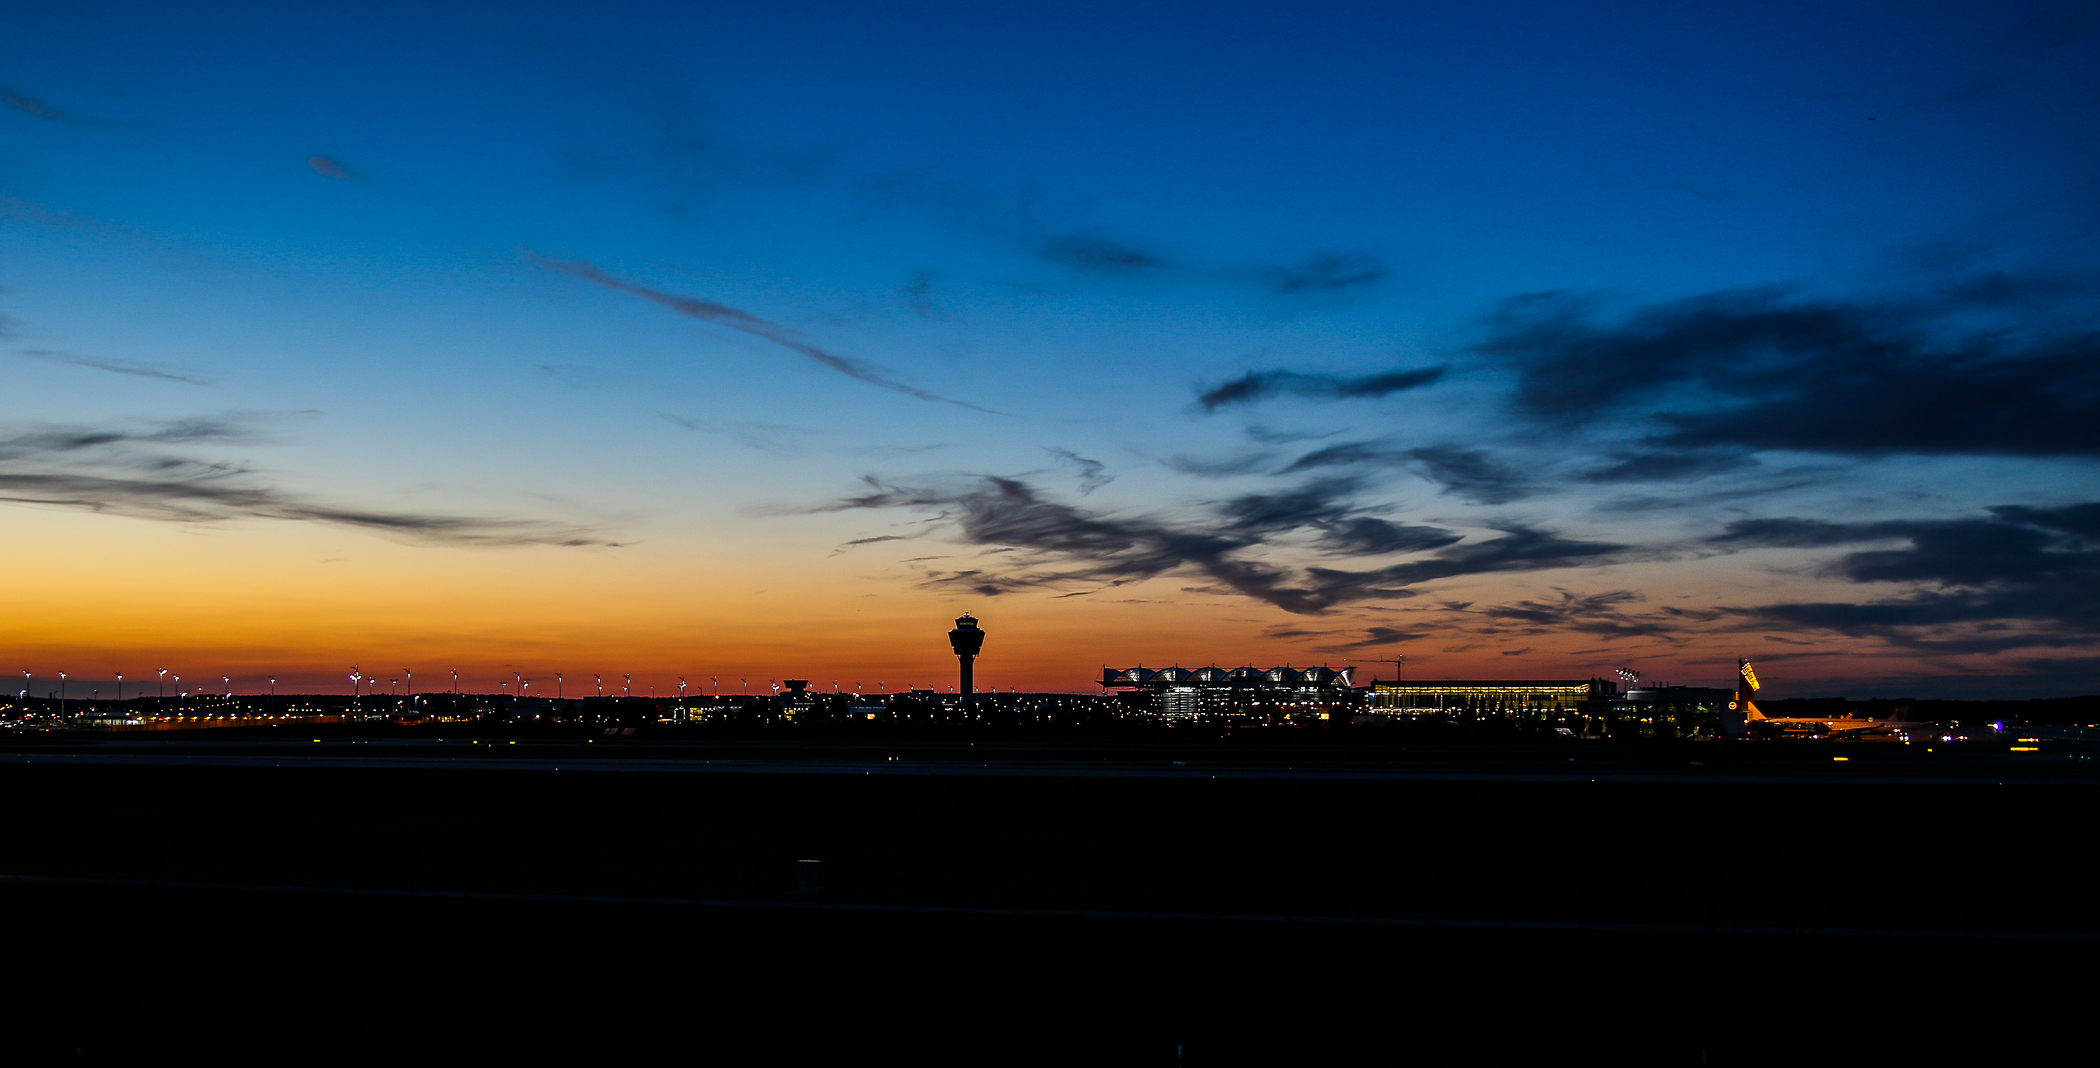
[1742, 711]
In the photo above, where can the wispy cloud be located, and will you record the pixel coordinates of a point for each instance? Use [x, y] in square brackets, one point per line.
[134, 471]
[1470, 474]
[1060, 544]
[745, 322]
[138, 370]
[1261, 385]
[1090, 471]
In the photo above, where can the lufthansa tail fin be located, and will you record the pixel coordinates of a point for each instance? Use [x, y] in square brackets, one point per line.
[1743, 709]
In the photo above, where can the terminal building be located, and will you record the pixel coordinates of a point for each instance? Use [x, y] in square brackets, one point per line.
[1239, 696]
[1581, 706]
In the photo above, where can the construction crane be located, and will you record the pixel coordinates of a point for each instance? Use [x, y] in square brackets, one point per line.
[1395, 661]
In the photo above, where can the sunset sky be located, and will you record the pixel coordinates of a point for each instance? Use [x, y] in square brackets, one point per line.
[759, 340]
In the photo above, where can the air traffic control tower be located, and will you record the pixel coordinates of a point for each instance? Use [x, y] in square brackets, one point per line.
[967, 640]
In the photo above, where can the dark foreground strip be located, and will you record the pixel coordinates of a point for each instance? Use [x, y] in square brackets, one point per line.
[1995, 777]
[1060, 914]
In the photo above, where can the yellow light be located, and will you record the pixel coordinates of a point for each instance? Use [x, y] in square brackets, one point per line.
[2026, 749]
[1840, 758]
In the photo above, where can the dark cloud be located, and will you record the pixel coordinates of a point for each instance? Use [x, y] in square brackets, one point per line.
[723, 315]
[137, 370]
[1382, 636]
[2021, 577]
[1246, 463]
[1343, 455]
[1371, 536]
[1271, 436]
[1096, 254]
[1665, 466]
[2082, 520]
[1261, 385]
[1327, 271]
[1065, 545]
[1321, 501]
[1971, 369]
[1469, 474]
[845, 545]
[1606, 615]
[1090, 476]
[130, 472]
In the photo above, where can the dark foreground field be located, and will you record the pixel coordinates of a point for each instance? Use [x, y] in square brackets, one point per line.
[158, 969]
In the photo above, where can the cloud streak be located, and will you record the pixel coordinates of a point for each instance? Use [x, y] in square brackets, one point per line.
[745, 322]
[1062, 545]
[1975, 369]
[113, 366]
[2017, 577]
[129, 472]
[1255, 386]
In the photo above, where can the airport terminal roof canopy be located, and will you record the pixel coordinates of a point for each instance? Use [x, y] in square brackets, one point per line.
[1220, 677]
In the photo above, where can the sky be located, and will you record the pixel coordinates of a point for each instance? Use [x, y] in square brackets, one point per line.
[735, 342]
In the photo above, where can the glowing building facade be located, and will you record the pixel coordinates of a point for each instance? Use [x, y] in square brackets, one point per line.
[1243, 695]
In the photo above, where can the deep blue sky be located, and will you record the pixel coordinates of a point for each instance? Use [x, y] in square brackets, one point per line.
[1651, 334]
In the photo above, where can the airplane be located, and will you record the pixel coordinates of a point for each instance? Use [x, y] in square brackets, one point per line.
[1743, 718]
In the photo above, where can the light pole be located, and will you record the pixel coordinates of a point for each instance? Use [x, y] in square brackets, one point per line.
[411, 685]
[601, 685]
[717, 680]
[455, 682]
[273, 685]
[557, 685]
[747, 687]
[164, 684]
[61, 693]
[120, 686]
[25, 683]
[629, 685]
[228, 683]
